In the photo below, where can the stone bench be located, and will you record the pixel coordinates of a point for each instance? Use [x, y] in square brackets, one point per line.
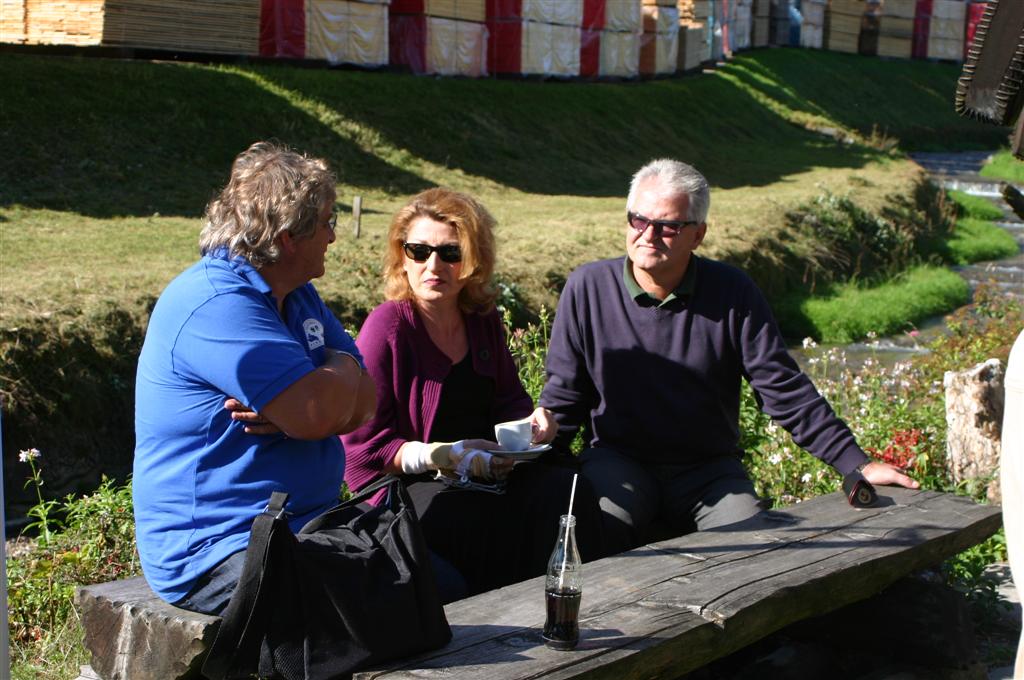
[658, 611]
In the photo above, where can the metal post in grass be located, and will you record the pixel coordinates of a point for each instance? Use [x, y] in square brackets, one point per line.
[5, 660]
[357, 215]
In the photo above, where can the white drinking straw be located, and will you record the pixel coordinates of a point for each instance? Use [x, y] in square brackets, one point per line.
[565, 552]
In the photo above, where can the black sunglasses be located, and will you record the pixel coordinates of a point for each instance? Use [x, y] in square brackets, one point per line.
[420, 252]
[666, 227]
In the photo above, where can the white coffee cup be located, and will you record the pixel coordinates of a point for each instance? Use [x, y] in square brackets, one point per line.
[515, 435]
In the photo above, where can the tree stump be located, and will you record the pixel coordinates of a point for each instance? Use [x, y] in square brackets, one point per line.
[974, 416]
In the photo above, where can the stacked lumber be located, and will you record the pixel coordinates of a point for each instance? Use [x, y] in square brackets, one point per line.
[778, 28]
[63, 22]
[896, 28]
[812, 30]
[224, 27]
[719, 22]
[441, 37]
[946, 30]
[617, 44]
[922, 18]
[697, 15]
[462, 10]
[692, 46]
[869, 24]
[659, 44]
[437, 45]
[12, 21]
[228, 27]
[624, 15]
[843, 20]
[283, 28]
[742, 24]
[620, 54]
[347, 32]
[534, 37]
[762, 22]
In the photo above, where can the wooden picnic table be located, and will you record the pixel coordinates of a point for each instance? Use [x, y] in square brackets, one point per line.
[667, 608]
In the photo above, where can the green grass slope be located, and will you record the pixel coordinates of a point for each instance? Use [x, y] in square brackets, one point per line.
[111, 138]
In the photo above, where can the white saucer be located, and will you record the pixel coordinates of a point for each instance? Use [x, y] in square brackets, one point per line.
[525, 454]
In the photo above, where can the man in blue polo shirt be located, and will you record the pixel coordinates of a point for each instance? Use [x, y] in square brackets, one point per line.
[244, 380]
[647, 353]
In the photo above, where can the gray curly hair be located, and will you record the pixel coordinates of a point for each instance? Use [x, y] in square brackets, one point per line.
[271, 190]
[677, 179]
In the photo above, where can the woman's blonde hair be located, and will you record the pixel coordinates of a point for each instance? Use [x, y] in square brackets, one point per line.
[475, 227]
[271, 190]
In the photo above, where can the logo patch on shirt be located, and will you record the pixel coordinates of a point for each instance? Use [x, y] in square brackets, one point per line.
[314, 333]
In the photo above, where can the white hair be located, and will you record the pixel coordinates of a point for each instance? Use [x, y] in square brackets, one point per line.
[676, 179]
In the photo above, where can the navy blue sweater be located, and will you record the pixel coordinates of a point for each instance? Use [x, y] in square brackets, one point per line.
[662, 383]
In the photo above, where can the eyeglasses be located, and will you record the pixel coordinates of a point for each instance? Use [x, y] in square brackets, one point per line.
[420, 252]
[332, 223]
[666, 227]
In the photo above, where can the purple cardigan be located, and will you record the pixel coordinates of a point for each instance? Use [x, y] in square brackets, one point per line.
[409, 371]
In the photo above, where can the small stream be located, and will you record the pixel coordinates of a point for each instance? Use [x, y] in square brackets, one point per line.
[951, 171]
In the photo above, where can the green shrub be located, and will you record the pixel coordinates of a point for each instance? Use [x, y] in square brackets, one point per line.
[852, 243]
[83, 540]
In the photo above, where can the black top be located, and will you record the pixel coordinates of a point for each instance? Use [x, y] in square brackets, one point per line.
[464, 411]
[662, 383]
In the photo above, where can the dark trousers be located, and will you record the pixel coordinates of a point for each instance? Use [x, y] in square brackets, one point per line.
[494, 540]
[635, 497]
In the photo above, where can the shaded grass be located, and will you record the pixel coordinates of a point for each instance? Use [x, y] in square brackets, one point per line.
[135, 138]
[846, 312]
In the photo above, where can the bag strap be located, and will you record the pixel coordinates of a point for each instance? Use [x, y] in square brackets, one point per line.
[384, 482]
[236, 648]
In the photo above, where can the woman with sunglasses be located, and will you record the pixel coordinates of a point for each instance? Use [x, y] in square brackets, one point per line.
[445, 377]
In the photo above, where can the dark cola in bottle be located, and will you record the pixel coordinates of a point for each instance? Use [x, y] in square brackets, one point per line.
[563, 589]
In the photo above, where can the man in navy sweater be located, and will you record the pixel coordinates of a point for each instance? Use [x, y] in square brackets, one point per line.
[647, 353]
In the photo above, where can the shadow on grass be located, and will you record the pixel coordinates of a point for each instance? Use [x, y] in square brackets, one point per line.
[106, 138]
[574, 138]
[910, 101]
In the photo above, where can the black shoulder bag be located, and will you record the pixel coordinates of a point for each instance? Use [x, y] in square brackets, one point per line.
[353, 588]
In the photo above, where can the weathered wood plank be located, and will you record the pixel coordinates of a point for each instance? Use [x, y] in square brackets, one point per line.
[673, 606]
[133, 634]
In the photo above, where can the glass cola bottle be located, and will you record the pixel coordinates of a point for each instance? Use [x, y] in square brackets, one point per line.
[563, 589]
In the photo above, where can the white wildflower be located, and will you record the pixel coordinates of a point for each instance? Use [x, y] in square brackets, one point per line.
[806, 478]
[775, 459]
[28, 454]
[809, 343]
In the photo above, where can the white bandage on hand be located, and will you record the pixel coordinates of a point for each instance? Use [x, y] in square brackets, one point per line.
[418, 457]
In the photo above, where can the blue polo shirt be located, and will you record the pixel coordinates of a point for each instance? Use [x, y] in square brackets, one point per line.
[199, 479]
